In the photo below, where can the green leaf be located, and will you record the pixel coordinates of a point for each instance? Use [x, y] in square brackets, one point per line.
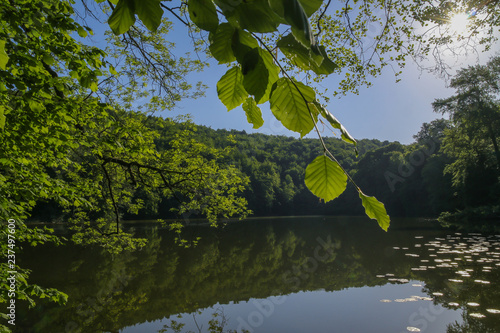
[306, 58]
[112, 70]
[296, 17]
[2, 117]
[273, 71]
[335, 123]
[242, 43]
[325, 178]
[4, 58]
[254, 16]
[289, 107]
[230, 88]
[326, 66]
[48, 59]
[220, 48]
[228, 7]
[375, 210]
[310, 6]
[255, 74]
[94, 86]
[256, 64]
[149, 12]
[35, 106]
[82, 32]
[297, 53]
[123, 17]
[253, 112]
[203, 14]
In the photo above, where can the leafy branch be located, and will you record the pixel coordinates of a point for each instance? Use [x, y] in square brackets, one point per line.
[255, 78]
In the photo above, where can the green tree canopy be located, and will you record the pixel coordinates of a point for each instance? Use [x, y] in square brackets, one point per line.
[472, 138]
[65, 139]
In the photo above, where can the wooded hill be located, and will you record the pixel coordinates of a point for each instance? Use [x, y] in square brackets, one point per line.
[409, 179]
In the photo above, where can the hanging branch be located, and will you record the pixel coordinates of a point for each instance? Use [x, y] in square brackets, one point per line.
[325, 149]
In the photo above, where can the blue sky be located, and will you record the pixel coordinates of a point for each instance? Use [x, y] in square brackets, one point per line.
[386, 111]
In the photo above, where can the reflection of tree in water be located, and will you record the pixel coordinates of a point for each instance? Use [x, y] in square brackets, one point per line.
[217, 324]
[97, 282]
[108, 292]
[232, 264]
[461, 273]
[470, 325]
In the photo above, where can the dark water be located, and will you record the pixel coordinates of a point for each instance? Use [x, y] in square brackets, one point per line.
[310, 274]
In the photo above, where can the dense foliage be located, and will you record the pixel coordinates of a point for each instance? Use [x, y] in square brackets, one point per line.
[472, 141]
[69, 143]
[412, 180]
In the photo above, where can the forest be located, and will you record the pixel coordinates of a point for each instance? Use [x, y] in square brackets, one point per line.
[421, 179]
[450, 171]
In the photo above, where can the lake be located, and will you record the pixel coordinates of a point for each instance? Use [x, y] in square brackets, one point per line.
[301, 274]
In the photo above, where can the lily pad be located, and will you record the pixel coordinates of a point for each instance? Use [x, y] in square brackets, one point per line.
[477, 315]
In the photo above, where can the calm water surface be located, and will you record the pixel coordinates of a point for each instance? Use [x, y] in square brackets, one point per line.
[308, 274]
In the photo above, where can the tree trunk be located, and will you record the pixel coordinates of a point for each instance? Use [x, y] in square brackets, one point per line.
[495, 145]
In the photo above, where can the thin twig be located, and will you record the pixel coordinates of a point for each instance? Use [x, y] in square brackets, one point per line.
[320, 17]
[175, 14]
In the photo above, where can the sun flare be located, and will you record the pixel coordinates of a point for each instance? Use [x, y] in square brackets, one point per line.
[458, 23]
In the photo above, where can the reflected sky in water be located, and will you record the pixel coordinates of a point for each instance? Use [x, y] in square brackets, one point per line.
[278, 275]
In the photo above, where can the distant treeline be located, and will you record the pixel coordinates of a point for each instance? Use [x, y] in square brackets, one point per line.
[409, 179]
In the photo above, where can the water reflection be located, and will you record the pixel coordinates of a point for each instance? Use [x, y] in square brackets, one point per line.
[325, 268]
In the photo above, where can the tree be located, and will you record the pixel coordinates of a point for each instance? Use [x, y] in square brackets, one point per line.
[313, 44]
[66, 141]
[257, 76]
[437, 183]
[472, 140]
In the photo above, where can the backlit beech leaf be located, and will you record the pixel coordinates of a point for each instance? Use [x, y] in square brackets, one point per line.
[311, 6]
[230, 88]
[255, 74]
[149, 12]
[203, 14]
[254, 16]
[289, 107]
[325, 178]
[253, 112]
[305, 58]
[335, 123]
[123, 17]
[220, 47]
[292, 12]
[4, 58]
[375, 210]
